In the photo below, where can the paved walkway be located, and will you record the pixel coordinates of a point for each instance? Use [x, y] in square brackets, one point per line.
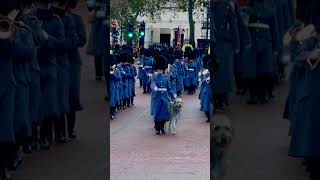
[137, 153]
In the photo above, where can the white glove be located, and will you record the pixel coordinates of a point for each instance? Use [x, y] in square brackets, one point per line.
[155, 89]
[175, 96]
[45, 35]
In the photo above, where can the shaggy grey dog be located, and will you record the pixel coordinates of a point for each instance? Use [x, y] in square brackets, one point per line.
[221, 137]
[174, 109]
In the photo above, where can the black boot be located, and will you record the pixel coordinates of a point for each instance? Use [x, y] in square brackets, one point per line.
[71, 121]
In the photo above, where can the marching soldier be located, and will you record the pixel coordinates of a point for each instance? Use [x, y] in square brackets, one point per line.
[245, 45]
[53, 29]
[11, 51]
[75, 68]
[259, 67]
[68, 43]
[181, 71]
[227, 44]
[96, 44]
[162, 90]
[147, 70]
[205, 88]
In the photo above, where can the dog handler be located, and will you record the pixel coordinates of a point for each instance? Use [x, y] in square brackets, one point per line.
[162, 91]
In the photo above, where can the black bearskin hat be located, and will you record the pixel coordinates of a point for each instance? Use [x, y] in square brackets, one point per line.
[72, 3]
[161, 63]
[123, 57]
[147, 53]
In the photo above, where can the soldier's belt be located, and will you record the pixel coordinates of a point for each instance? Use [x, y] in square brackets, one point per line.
[190, 69]
[147, 67]
[259, 25]
[162, 89]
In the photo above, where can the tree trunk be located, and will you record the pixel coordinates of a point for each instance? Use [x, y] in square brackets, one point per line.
[191, 21]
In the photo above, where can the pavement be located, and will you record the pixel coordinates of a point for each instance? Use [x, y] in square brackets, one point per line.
[137, 153]
[260, 148]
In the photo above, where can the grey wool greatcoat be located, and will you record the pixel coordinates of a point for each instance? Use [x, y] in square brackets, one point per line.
[75, 63]
[63, 61]
[305, 122]
[96, 44]
[21, 71]
[265, 41]
[10, 50]
[34, 87]
[47, 56]
[227, 43]
[245, 40]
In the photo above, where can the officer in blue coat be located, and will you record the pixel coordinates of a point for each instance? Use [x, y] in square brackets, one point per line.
[265, 44]
[125, 70]
[114, 77]
[205, 88]
[181, 71]
[21, 68]
[75, 68]
[53, 29]
[33, 67]
[9, 48]
[70, 41]
[147, 70]
[227, 44]
[302, 102]
[132, 80]
[96, 44]
[191, 74]
[245, 44]
[162, 91]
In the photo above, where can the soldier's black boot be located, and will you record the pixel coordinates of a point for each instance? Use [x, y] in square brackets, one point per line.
[253, 88]
[71, 121]
[132, 99]
[144, 89]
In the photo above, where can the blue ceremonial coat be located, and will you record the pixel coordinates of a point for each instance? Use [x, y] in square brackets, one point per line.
[306, 124]
[264, 41]
[9, 48]
[114, 88]
[22, 122]
[97, 44]
[47, 56]
[160, 99]
[148, 67]
[34, 86]
[181, 73]
[125, 81]
[245, 41]
[120, 81]
[63, 62]
[132, 80]
[205, 94]
[227, 43]
[191, 74]
[75, 63]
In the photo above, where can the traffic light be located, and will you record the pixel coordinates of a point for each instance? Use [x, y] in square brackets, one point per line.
[142, 29]
[142, 32]
[130, 30]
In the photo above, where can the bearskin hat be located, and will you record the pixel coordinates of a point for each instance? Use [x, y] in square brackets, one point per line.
[161, 63]
[123, 57]
[177, 54]
[147, 53]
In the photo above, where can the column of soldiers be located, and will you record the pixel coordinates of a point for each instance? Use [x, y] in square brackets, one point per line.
[302, 107]
[40, 77]
[248, 48]
[122, 80]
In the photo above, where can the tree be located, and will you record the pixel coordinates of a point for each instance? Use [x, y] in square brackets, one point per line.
[190, 6]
